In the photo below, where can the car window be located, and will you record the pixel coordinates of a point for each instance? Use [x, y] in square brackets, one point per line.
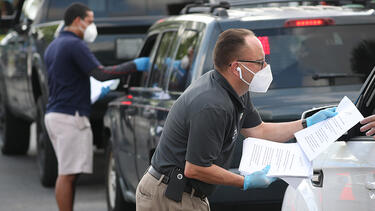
[185, 57]
[147, 51]
[319, 56]
[163, 59]
[7, 7]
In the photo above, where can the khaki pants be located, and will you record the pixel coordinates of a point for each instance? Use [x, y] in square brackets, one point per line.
[150, 197]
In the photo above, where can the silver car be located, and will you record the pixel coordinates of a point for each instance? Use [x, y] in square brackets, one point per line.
[344, 175]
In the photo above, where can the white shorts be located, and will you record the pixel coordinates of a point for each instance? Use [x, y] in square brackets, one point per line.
[72, 139]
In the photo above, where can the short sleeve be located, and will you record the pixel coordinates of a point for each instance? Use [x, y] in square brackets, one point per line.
[84, 58]
[251, 115]
[206, 136]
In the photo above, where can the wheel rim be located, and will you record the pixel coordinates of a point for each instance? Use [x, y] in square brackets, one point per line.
[111, 183]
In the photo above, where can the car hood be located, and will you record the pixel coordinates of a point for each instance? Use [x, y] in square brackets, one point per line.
[288, 104]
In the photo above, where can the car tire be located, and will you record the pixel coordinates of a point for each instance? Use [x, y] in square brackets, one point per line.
[46, 158]
[14, 132]
[114, 196]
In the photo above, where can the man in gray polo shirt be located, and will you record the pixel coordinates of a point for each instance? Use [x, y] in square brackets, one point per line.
[202, 126]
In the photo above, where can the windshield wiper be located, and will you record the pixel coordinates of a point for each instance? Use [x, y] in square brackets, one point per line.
[332, 76]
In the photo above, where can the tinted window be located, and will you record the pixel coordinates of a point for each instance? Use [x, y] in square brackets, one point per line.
[181, 69]
[319, 56]
[163, 59]
[147, 51]
[7, 7]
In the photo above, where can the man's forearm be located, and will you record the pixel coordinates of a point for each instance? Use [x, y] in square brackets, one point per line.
[282, 132]
[213, 175]
[102, 73]
[279, 132]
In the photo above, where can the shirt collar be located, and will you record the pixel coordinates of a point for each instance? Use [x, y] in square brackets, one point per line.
[233, 94]
[68, 33]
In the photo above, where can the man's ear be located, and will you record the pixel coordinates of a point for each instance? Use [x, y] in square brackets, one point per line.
[76, 21]
[235, 69]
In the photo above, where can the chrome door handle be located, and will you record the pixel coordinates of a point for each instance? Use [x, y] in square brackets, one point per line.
[317, 178]
[370, 185]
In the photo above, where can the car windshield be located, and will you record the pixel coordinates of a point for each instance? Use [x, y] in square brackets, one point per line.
[319, 56]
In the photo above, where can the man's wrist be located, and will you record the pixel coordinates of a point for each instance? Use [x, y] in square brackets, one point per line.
[304, 123]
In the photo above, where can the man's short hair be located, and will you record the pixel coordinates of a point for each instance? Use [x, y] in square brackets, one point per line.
[229, 46]
[73, 11]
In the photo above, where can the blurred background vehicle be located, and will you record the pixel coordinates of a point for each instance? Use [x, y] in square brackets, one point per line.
[316, 53]
[30, 25]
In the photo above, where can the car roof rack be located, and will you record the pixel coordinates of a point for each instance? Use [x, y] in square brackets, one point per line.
[235, 3]
[217, 9]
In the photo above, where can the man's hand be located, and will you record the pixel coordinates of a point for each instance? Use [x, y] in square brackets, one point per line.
[104, 91]
[320, 116]
[142, 63]
[258, 179]
[369, 125]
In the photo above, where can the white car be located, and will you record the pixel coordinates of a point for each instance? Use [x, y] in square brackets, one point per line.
[344, 175]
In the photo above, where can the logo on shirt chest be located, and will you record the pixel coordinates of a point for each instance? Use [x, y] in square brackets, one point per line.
[241, 115]
[235, 133]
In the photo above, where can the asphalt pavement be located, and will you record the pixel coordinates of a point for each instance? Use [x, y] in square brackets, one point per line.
[21, 190]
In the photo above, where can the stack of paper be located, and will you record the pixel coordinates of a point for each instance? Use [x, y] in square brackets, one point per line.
[284, 159]
[295, 159]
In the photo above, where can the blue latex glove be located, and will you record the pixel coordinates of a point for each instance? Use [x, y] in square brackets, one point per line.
[142, 63]
[320, 116]
[103, 92]
[258, 179]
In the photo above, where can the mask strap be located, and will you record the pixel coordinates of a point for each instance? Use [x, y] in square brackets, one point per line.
[247, 68]
[242, 77]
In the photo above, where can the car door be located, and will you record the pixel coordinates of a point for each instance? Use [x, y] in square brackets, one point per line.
[350, 163]
[151, 107]
[346, 178]
[128, 108]
[344, 174]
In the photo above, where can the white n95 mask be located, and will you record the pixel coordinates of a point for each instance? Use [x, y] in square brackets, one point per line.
[261, 80]
[90, 33]
[185, 62]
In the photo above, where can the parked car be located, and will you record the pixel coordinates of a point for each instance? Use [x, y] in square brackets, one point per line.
[344, 174]
[314, 54]
[23, 93]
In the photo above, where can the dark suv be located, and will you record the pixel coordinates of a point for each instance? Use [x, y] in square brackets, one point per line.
[23, 86]
[318, 54]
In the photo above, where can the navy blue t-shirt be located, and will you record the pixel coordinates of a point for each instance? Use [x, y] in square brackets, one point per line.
[69, 64]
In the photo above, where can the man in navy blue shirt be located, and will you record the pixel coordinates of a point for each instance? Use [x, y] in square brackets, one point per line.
[69, 65]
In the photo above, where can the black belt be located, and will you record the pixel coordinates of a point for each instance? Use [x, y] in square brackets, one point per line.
[165, 180]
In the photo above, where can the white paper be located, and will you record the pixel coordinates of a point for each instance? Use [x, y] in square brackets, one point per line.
[284, 159]
[317, 138]
[96, 87]
[293, 181]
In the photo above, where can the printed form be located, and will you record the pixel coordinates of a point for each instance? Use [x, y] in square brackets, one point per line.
[284, 159]
[317, 138]
[294, 160]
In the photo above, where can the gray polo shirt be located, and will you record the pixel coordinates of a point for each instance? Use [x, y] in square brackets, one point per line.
[202, 127]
